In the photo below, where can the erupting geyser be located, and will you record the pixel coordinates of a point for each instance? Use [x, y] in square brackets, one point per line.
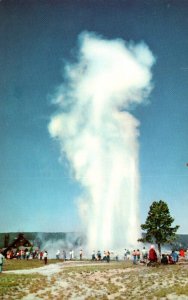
[99, 135]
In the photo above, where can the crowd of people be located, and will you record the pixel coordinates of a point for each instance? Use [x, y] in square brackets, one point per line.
[144, 256]
[71, 256]
[23, 253]
[98, 256]
[150, 257]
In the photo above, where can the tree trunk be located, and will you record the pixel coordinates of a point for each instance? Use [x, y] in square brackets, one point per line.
[159, 249]
[6, 240]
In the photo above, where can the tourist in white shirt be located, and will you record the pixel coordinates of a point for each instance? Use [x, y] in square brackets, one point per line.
[1, 261]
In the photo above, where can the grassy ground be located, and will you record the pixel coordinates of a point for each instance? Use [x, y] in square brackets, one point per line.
[15, 286]
[116, 280]
[20, 264]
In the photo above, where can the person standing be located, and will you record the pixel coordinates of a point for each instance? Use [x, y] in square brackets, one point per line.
[45, 256]
[134, 254]
[128, 254]
[125, 254]
[98, 255]
[108, 256]
[81, 254]
[138, 255]
[64, 255]
[41, 255]
[27, 254]
[58, 254]
[1, 261]
[93, 255]
[144, 255]
[175, 256]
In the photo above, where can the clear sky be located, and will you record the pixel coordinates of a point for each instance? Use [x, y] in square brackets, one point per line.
[37, 191]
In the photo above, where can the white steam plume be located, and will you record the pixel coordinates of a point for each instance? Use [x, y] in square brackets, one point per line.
[100, 137]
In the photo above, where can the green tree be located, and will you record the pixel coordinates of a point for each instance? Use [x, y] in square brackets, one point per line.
[157, 227]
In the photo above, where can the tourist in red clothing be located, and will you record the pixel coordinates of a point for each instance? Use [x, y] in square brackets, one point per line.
[152, 254]
[182, 253]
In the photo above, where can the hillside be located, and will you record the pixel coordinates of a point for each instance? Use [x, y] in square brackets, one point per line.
[39, 239]
[68, 239]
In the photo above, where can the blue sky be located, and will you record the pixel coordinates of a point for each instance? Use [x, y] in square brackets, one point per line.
[37, 192]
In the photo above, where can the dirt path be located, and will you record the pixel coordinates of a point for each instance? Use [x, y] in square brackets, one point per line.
[52, 269]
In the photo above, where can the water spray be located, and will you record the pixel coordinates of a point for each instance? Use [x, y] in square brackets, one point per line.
[99, 135]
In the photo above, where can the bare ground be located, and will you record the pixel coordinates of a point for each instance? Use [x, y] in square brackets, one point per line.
[87, 280]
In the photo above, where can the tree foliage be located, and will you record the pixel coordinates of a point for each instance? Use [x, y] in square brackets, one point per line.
[157, 227]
